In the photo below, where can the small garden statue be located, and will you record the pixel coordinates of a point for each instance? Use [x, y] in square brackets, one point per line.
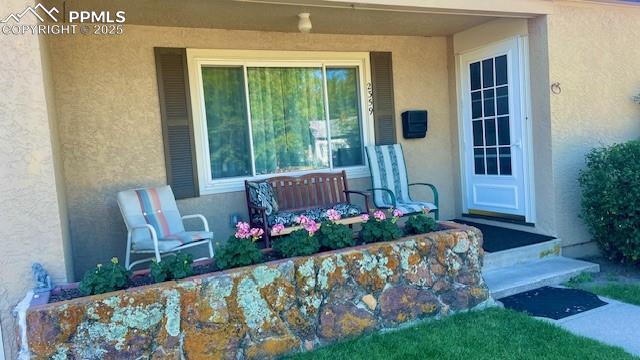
[41, 277]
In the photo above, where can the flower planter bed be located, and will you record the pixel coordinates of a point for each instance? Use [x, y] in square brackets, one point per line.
[270, 309]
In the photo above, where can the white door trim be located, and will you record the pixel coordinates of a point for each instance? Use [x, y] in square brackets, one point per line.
[525, 109]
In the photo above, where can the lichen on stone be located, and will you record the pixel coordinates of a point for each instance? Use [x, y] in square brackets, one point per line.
[113, 301]
[60, 354]
[265, 275]
[172, 312]
[307, 271]
[215, 292]
[367, 263]
[383, 271]
[326, 267]
[138, 317]
[254, 308]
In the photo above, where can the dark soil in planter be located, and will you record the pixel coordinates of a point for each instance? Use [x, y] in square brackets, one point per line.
[62, 294]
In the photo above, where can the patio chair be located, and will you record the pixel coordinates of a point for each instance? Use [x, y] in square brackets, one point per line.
[155, 226]
[390, 182]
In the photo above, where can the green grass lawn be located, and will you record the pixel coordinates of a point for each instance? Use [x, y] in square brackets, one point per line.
[490, 334]
[628, 292]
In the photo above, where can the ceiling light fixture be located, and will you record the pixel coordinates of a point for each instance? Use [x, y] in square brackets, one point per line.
[304, 22]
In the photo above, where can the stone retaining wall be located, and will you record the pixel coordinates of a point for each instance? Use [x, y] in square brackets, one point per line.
[271, 309]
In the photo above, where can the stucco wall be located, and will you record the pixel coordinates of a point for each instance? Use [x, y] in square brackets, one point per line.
[594, 55]
[109, 120]
[31, 221]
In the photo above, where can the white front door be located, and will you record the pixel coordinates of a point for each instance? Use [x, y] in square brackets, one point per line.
[493, 147]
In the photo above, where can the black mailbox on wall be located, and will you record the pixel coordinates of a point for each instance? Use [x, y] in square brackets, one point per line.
[414, 124]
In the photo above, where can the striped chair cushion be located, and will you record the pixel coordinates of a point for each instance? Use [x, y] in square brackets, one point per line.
[388, 170]
[173, 241]
[156, 207]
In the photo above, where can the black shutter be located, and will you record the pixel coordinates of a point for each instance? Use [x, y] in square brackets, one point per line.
[177, 122]
[384, 113]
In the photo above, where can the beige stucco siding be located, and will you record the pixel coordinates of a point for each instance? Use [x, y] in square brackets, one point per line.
[595, 57]
[109, 120]
[31, 217]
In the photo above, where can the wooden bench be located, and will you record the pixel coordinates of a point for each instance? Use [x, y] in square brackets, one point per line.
[299, 193]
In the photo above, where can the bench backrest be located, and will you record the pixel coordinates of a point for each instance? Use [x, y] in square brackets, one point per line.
[311, 190]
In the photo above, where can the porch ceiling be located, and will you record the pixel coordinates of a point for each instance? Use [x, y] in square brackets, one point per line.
[338, 18]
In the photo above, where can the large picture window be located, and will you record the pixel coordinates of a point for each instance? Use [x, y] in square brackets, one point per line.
[258, 115]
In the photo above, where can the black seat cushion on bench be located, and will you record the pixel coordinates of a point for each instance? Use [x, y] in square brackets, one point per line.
[289, 218]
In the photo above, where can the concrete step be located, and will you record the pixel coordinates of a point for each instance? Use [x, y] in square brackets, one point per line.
[522, 254]
[513, 279]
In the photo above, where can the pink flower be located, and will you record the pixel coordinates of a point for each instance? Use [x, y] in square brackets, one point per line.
[333, 215]
[243, 230]
[302, 220]
[311, 227]
[256, 233]
[277, 228]
[397, 213]
[379, 215]
[426, 210]
[364, 217]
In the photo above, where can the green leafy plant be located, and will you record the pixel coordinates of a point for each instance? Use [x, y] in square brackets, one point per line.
[240, 249]
[298, 243]
[335, 236]
[381, 228]
[105, 278]
[610, 202]
[172, 268]
[420, 224]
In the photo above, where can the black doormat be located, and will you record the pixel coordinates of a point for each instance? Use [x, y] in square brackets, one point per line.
[551, 302]
[498, 238]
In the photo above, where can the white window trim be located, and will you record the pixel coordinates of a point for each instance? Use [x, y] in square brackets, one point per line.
[196, 58]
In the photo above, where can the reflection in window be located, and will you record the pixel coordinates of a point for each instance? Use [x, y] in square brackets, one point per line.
[290, 125]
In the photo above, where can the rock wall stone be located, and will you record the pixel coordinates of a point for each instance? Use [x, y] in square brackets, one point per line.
[272, 309]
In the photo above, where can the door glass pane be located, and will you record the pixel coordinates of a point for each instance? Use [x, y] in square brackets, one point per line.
[227, 124]
[501, 70]
[505, 161]
[489, 106]
[477, 133]
[502, 100]
[487, 73]
[478, 161]
[490, 131]
[344, 115]
[492, 161]
[503, 131]
[476, 104]
[474, 71]
[287, 109]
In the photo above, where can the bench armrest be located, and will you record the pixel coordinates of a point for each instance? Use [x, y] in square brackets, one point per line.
[391, 194]
[433, 188]
[205, 223]
[361, 193]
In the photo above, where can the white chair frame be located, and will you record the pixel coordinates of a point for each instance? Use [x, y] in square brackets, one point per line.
[156, 251]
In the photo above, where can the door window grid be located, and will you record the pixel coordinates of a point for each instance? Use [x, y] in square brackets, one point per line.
[490, 157]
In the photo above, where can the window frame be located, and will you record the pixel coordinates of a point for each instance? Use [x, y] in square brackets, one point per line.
[197, 58]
